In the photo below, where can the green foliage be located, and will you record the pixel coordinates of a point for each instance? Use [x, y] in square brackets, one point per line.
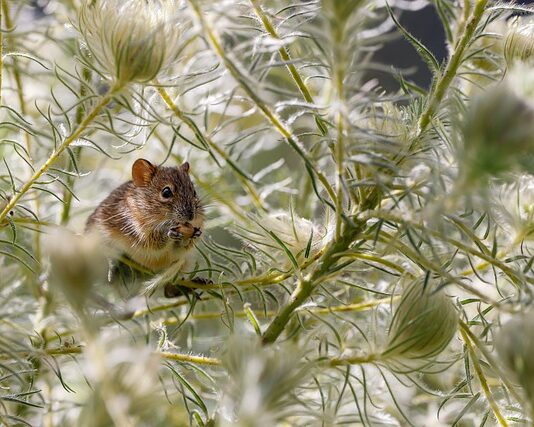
[362, 247]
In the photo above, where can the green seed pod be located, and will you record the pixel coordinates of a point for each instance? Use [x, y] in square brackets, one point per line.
[519, 44]
[131, 40]
[424, 323]
[498, 134]
[515, 346]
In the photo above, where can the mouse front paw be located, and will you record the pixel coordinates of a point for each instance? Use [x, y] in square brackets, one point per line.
[174, 234]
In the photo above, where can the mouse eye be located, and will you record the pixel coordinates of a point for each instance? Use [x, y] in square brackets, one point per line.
[166, 193]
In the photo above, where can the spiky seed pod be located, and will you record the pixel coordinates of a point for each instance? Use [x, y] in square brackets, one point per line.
[498, 134]
[424, 323]
[519, 44]
[131, 40]
[515, 346]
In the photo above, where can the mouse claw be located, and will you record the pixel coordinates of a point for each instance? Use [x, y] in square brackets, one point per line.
[197, 232]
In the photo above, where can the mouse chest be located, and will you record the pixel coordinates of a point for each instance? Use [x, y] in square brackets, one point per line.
[155, 258]
[160, 259]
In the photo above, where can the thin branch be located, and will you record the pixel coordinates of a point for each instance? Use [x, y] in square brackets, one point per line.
[482, 380]
[284, 54]
[262, 106]
[58, 151]
[445, 80]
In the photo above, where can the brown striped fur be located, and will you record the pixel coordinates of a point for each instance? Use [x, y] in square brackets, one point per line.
[136, 219]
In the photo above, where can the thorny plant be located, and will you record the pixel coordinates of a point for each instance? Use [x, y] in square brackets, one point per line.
[364, 246]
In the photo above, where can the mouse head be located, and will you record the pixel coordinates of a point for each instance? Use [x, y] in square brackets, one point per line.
[165, 196]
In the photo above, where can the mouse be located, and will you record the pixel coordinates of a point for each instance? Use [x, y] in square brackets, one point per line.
[154, 219]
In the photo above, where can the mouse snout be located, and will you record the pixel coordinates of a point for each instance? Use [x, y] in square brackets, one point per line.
[189, 213]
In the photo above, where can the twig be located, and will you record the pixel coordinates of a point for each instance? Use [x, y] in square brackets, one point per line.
[483, 382]
[59, 150]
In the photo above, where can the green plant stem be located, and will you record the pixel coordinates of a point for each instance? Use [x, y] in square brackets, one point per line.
[284, 54]
[339, 70]
[16, 72]
[58, 151]
[261, 105]
[445, 80]
[482, 380]
[255, 281]
[180, 357]
[306, 286]
[209, 315]
[354, 360]
[256, 199]
[198, 360]
[22, 103]
[349, 308]
[340, 160]
[489, 357]
[67, 195]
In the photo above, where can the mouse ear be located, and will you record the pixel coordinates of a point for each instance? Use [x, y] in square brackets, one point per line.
[142, 172]
[185, 167]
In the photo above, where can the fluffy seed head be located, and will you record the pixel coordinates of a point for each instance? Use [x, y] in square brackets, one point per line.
[515, 347]
[131, 40]
[76, 264]
[498, 133]
[258, 390]
[280, 234]
[519, 44]
[513, 210]
[424, 323]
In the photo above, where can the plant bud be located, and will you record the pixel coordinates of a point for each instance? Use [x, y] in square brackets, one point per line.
[260, 382]
[281, 234]
[76, 264]
[515, 346]
[498, 134]
[424, 323]
[131, 40]
[519, 44]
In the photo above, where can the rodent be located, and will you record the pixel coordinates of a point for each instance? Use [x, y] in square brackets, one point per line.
[154, 218]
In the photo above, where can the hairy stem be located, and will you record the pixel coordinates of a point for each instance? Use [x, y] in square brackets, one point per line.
[58, 151]
[306, 286]
[354, 360]
[22, 103]
[180, 357]
[260, 104]
[67, 195]
[483, 382]
[284, 54]
[349, 308]
[445, 80]
[489, 357]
